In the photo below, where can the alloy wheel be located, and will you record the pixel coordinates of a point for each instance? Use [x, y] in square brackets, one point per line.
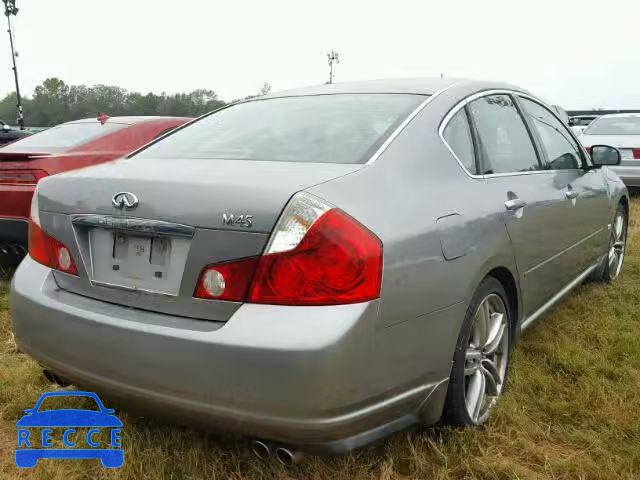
[486, 358]
[617, 245]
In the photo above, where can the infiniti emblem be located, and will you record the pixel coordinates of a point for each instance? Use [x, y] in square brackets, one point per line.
[125, 200]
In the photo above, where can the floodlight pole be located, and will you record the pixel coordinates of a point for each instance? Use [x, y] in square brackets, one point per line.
[333, 56]
[10, 9]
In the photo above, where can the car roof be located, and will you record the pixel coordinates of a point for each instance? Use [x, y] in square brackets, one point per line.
[620, 115]
[130, 120]
[416, 86]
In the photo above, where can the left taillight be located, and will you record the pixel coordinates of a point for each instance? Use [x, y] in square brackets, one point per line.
[44, 248]
[21, 177]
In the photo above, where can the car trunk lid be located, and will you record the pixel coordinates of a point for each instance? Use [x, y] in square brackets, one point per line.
[196, 192]
[190, 213]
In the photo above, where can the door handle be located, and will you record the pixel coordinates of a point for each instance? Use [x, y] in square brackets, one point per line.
[571, 194]
[514, 204]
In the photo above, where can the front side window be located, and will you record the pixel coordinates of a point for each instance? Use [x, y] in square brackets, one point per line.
[341, 128]
[503, 137]
[457, 134]
[562, 151]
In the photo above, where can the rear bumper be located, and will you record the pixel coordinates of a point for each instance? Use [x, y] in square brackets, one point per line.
[320, 378]
[14, 231]
[629, 175]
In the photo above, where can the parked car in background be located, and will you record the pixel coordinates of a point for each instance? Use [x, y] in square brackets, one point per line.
[10, 134]
[621, 130]
[326, 266]
[579, 123]
[58, 149]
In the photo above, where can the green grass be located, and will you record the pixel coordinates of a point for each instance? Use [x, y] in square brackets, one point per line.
[572, 411]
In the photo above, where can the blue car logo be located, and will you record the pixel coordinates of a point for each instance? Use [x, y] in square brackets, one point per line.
[33, 446]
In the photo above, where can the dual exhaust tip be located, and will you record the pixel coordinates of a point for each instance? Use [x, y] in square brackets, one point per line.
[284, 455]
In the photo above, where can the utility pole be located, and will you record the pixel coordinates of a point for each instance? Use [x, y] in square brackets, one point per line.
[333, 57]
[11, 9]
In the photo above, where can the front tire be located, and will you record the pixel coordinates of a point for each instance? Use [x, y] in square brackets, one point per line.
[482, 356]
[612, 264]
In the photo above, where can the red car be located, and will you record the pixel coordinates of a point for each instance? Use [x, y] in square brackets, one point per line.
[58, 149]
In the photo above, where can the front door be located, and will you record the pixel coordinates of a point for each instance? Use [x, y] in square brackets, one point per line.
[585, 233]
[533, 208]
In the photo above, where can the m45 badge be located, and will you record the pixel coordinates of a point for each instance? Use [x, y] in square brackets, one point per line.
[232, 220]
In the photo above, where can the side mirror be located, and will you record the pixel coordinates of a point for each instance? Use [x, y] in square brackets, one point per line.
[29, 411]
[6, 127]
[605, 155]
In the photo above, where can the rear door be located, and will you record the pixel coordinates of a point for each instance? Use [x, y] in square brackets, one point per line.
[524, 193]
[586, 204]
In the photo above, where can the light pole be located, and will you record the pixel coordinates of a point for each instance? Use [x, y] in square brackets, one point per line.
[11, 9]
[332, 57]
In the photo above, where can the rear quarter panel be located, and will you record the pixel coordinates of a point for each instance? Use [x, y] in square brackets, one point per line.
[420, 202]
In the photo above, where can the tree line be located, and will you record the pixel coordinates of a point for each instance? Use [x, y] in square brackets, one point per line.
[55, 102]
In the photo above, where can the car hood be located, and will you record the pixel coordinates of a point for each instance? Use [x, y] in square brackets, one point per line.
[196, 192]
[69, 418]
[618, 141]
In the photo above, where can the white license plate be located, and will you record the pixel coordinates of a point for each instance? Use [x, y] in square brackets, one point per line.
[137, 262]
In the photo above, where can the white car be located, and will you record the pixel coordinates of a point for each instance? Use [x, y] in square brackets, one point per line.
[579, 123]
[621, 130]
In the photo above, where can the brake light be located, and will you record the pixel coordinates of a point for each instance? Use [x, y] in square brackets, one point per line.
[636, 153]
[338, 261]
[45, 249]
[317, 255]
[21, 177]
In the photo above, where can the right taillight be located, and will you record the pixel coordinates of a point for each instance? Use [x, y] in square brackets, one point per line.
[45, 249]
[338, 261]
[317, 255]
[636, 153]
[21, 177]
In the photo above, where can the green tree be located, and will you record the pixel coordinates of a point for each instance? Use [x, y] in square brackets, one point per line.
[55, 102]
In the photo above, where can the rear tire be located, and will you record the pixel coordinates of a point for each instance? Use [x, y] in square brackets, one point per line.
[482, 356]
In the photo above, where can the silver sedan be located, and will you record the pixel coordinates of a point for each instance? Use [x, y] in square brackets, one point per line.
[319, 268]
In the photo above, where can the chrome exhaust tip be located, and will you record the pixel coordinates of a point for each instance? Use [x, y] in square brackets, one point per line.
[260, 449]
[287, 456]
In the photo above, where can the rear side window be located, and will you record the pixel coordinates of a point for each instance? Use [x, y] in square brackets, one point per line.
[63, 137]
[345, 128]
[503, 137]
[457, 134]
[562, 151]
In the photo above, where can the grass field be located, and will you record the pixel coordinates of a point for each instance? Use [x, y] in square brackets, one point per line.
[572, 411]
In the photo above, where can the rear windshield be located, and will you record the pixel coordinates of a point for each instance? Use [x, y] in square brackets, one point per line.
[63, 137]
[323, 128]
[615, 126]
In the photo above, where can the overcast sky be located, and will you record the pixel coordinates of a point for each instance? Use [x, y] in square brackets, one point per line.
[574, 53]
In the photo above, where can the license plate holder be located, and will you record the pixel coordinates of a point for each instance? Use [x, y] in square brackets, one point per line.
[137, 262]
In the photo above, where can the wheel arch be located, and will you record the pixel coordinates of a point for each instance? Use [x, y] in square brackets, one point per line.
[510, 285]
[624, 201]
